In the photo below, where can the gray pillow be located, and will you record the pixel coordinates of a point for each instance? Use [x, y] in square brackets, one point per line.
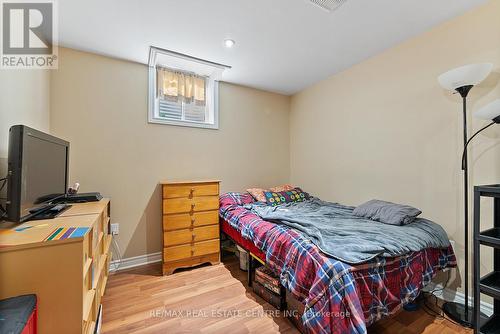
[387, 212]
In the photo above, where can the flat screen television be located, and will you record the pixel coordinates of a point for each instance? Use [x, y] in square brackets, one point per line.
[37, 171]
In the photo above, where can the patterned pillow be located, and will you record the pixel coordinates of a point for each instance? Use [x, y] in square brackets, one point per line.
[258, 193]
[282, 197]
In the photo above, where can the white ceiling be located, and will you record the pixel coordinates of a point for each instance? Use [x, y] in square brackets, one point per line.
[281, 45]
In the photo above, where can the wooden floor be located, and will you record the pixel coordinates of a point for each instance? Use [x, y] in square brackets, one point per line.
[215, 299]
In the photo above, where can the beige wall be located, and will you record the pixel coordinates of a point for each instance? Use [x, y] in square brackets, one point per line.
[99, 104]
[386, 129]
[24, 99]
[381, 129]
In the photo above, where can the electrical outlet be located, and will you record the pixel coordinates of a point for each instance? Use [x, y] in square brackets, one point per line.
[115, 229]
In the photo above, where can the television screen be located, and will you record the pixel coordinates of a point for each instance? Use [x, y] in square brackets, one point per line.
[38, 168]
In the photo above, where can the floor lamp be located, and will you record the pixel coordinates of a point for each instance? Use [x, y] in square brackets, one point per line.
[462, 80]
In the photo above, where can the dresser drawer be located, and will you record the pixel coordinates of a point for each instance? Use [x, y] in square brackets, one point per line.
[180, 205]
[187, 251]
[180, 237]
[190, 190]
[188, 220]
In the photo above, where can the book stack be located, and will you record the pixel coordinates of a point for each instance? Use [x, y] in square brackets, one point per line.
[267, 286]
[268, 279]
[296, 310]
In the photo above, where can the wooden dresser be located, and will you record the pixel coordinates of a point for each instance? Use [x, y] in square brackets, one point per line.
[190, 224]
[64, 261]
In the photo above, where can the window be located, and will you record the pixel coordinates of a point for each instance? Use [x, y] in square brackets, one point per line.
[183, 90]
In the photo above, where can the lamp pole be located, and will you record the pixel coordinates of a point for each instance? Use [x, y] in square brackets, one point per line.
[463, 91]
[464, 317]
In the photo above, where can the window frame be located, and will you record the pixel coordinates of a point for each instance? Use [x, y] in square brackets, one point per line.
[211, 90]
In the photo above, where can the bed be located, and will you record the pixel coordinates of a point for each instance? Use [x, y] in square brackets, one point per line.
[338, 297]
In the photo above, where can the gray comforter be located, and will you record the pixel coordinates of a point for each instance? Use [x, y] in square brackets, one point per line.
[351, 239]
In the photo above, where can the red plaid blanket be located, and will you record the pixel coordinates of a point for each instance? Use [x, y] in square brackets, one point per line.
[338, 297]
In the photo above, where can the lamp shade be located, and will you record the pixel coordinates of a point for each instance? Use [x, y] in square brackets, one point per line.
[490, 111]
[468, 75]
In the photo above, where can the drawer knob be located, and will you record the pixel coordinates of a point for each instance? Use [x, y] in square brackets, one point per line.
[192, 252]
[192, 206]
[193, 236]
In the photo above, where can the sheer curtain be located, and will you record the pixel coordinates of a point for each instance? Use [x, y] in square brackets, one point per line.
[177, 86]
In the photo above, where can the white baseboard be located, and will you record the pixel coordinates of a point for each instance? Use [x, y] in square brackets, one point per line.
[135, 261]
[458, 297]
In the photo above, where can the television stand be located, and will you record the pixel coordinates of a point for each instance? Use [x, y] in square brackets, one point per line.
[64, 262]
[50, 212]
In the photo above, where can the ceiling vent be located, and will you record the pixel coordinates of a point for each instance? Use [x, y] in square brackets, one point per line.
[328, 5]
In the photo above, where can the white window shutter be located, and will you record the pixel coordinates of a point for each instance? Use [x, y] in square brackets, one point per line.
[194, 113]
[169, 110]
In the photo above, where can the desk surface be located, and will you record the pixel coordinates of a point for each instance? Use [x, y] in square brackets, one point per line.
[35, 233]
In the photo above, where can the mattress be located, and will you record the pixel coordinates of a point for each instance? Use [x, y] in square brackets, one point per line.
[338, 297]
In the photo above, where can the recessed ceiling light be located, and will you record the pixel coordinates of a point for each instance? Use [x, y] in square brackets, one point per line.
[328, 5]
[229, 43]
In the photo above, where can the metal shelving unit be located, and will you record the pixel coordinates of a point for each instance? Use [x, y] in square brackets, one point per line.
[489, 284]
